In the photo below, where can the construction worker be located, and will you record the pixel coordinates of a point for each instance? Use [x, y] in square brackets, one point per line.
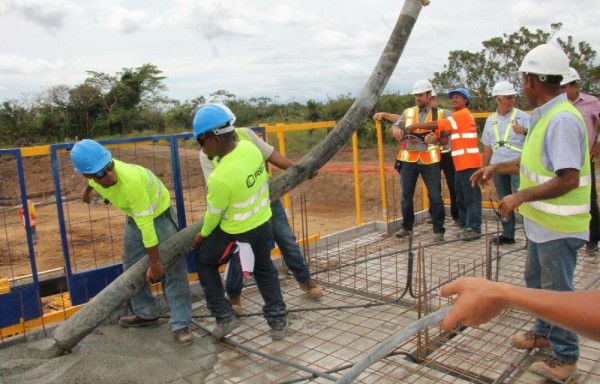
[589, 107]
[418, 157]
[32, 219]
[554, 199]
[282, 233]
[149, 220]
[447, 167]
[238, 209]
[460, 126]
[501, 142]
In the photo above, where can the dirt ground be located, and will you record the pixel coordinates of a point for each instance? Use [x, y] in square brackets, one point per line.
[323, 205]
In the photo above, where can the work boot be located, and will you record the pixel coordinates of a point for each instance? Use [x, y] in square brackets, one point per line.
[438, 237]
[529, 340]
[223, 329]
[236, 304]
[501, 240]
[402, 233]
[183, 337]
[136, 321]
[279, 331]
[554, 369]
[309, 286]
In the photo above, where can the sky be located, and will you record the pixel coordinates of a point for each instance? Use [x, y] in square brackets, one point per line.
[285, 50]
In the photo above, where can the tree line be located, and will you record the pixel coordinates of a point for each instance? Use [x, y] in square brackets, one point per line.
[133, 99]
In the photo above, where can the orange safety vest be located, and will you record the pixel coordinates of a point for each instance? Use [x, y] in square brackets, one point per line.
[432, 154]
[465, 152]
[31, 210]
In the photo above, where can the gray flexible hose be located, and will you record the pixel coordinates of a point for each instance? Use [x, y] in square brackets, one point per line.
[392, 343]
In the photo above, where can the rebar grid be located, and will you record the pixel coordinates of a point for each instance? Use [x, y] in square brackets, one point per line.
[364, 278]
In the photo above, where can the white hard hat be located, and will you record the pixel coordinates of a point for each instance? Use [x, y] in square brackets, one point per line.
[571, 77]
[433, 94]
[545, 59]
[503, 88]
[422, 86]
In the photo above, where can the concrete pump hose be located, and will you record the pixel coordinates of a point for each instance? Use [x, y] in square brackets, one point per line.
[392, 343]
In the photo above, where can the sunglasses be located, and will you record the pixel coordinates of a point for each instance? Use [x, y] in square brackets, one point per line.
[202, 140]
[101, 174]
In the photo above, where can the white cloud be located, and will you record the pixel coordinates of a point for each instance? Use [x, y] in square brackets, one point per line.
[50, 14]
[128, 21]
[16, 64]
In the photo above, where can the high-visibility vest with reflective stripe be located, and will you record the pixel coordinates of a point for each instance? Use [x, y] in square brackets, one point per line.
[238, 192]
[568, 213]
[465, 152]
[139, 194]
[504, 142]
[432, 155]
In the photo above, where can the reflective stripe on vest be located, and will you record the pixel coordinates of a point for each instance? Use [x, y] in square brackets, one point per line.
[432, 155]
[152, 208]
[568, 213]
[504, 142]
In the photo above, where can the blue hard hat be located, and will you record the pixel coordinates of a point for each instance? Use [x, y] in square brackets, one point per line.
[460, 91]
[89, 156]
[213, 117]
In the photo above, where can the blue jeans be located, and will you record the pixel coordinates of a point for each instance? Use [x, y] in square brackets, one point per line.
[177, 289]
[507, 185]
[468, 200]
[286, 241]
[265, 274]
[430, 173]
[551, 266]
[447, 166]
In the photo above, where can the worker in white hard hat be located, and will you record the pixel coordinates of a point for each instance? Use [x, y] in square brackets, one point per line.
[417, 157]
[589, 107]
[554, 199]
[502, 138]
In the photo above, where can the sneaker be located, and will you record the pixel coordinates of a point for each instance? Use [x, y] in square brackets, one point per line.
[279, 331]
[136, 321]
[223, 329]
[501, 240]
[438, 237]
[311, 288]
[529, 340]
[554, 369]
[591, 247]
[402, 233]
[183, 337]
[468, 234]
[236, 304]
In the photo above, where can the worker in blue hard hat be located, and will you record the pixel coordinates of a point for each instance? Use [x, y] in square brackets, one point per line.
[237, 209]
[145, 200]
[282, 233]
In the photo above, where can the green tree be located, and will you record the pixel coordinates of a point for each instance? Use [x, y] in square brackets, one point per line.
[500, 59]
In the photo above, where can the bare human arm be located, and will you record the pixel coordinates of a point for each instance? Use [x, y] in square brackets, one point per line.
[487, 155]
[483, 175]
[479, 300]
[155, 269]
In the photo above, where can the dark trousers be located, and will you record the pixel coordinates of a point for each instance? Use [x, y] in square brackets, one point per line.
[447, 166]
[468, 199]
[265, 274]
[431, 177]
[595, 222]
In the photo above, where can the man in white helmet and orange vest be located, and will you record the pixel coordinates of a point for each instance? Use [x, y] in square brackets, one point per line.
[145, 200]
[554, 199]
[417, 157]
[461, 128]
[502, 138]
[589, 107]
